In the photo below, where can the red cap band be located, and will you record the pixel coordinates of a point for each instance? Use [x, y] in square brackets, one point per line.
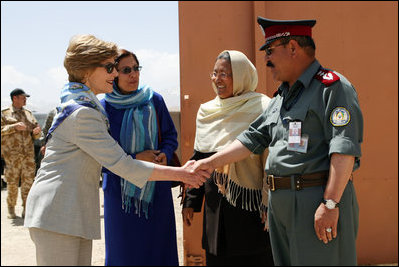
[277, 31]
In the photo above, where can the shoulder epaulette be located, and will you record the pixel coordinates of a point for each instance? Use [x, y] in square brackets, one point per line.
[327, 77]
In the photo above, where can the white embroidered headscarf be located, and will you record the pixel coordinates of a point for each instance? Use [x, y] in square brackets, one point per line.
[220, 121]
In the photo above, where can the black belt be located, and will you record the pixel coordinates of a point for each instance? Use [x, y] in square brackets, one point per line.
[300, 181]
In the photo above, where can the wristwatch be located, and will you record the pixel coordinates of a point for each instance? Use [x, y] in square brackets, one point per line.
[330, 204]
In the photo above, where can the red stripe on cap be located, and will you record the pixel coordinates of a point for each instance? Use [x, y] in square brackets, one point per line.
[277, 31]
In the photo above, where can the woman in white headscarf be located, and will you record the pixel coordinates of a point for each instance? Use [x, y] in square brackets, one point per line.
[233, 230]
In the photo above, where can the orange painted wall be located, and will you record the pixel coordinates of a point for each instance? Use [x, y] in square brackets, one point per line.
[357, 39]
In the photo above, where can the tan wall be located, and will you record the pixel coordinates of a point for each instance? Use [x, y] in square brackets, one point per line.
[357, 39]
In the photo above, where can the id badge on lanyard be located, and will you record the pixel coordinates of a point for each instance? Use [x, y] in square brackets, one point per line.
[296, 140]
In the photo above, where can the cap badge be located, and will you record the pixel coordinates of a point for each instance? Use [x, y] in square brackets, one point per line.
[340, 116]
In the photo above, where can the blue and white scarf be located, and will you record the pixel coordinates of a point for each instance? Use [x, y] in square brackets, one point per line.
[73, 96]
[138, 133]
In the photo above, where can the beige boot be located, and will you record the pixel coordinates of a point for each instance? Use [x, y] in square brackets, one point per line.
[11, 213]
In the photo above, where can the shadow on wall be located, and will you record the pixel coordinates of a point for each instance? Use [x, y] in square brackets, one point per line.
[176, 120]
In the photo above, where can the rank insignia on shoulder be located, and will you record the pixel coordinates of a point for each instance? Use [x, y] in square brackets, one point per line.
[340, 116]
[327, 77]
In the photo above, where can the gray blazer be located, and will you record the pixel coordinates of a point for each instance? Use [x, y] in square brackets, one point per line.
[64, 197]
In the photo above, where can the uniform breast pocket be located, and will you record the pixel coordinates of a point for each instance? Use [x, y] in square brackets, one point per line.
[10, 120]
[296, 133]
[296, 114]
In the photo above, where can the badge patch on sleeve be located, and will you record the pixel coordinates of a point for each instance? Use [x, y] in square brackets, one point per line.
[340, 117]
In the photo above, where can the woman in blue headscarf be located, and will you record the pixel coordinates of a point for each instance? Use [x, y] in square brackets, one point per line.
[139, 224]
[63, 205]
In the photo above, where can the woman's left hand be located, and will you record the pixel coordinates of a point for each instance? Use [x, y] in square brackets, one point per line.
[264, 221]
[147, 155]
[161, 159]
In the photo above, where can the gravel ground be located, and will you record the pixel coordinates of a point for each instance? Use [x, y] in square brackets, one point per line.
[17, 249]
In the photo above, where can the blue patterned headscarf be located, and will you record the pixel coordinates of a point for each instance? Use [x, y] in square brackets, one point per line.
[139, 132]
[73, 96]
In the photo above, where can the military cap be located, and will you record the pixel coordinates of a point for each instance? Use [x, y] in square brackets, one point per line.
[274, 29]
[18, 91]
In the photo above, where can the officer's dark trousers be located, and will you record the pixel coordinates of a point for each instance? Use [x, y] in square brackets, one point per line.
[292, 234]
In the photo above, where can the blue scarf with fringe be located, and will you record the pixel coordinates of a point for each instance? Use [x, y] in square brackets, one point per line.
[139, 132]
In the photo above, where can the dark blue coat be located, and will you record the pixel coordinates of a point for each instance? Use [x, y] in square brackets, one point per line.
[129, 239]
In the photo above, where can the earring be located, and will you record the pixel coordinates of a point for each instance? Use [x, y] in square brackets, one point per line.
[84, 80]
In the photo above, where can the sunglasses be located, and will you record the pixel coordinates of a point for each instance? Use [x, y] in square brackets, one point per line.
[269, 50]
[109, 67]
[127, 70]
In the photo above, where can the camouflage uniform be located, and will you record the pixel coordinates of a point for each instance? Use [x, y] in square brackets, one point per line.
[18, 152]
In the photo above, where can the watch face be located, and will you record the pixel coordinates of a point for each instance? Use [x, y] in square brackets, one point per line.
[330, 204]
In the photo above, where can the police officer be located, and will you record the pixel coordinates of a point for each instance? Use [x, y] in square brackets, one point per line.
[313, 128]
[18, 130]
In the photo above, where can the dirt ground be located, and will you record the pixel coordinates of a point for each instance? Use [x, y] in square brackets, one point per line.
[17, 249]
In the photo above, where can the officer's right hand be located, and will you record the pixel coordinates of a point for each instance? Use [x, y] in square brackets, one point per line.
[188, 214]
[203, 164]
[192, 179]
[20, 126]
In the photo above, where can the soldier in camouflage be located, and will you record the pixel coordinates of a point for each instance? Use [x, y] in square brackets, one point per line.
[18, 130]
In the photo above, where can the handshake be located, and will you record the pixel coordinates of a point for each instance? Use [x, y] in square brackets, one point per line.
[194, 173]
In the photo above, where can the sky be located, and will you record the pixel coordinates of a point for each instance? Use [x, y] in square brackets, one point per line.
[36, 34]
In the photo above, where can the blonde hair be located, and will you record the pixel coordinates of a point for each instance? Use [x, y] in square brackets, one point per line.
[84, 52]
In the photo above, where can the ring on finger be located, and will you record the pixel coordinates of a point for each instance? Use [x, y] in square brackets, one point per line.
[328, 230]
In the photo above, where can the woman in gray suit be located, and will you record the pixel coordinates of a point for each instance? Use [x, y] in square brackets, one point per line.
[63, 209]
